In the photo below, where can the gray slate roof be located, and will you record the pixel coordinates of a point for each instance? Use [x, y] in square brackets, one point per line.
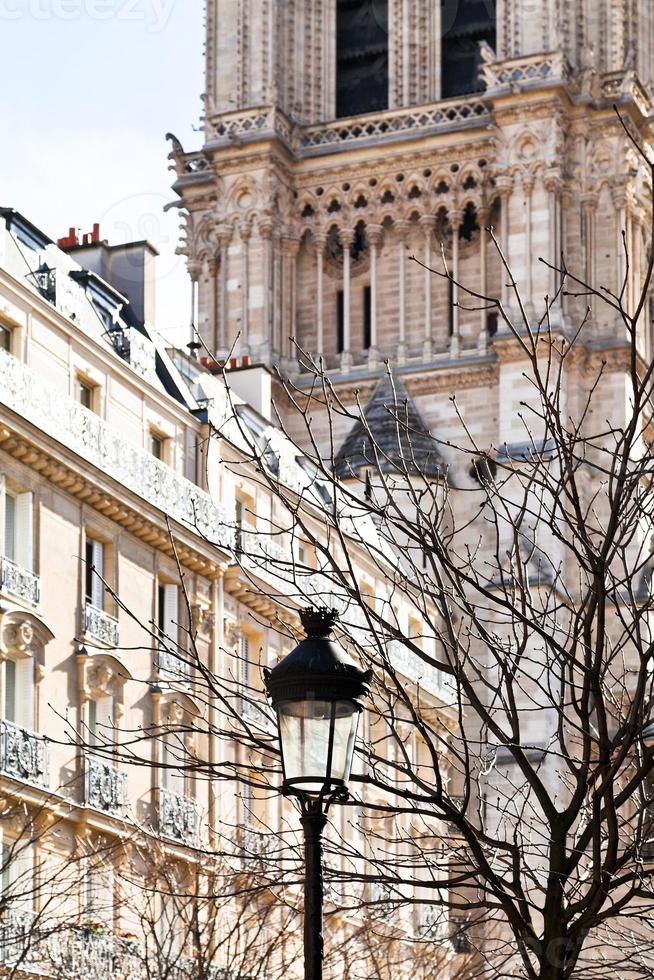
[398, 433]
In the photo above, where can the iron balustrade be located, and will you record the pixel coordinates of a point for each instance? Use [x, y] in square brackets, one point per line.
[105, 786]
[101, 625]
[23, 754]
[20, 582]
[178, 817]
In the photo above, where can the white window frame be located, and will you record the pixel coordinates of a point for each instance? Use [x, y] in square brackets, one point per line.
[21, 551]
[96, 571]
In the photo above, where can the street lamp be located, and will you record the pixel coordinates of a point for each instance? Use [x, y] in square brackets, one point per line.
[316, 692]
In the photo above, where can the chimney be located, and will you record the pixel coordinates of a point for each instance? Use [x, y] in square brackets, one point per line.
[252, 383]
[70, 240]
[129, 268]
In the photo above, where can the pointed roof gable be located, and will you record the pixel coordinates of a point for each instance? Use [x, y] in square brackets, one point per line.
[400, 437]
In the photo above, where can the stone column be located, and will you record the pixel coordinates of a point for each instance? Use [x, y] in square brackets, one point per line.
[290, 248]
[528, 186]
[375, 235]
[224, 236]
[483, 214]
[265, 233]
[553, 185]
[638, 265]
[620, 205]
[278, 297]
[428, 223]
[456, 220]
[347, 237]
[246, 231]
[194, 270]
[504, 184]
[589, 205]
[213, 267]
[402, 230]
[321, 243]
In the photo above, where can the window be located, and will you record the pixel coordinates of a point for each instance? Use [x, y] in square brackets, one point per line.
[238, 541]
[340, 322]
[94, 573]
[157, 445]
[18, 705]
[464, 24]
[5, 338]
[17, 882]
[367, 317]
[171, 658]
[168, 613]
[100, 719]
[17, 534]
[86, 395]
[173, 759]
[98, 895]
[361, 56]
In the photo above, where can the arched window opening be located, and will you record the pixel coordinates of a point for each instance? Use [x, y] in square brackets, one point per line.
[361, 56]
[464, 24]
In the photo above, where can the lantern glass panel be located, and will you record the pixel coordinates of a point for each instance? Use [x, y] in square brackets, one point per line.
[316, 735]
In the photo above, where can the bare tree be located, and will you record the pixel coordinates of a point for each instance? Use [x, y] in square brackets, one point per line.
[503, 790]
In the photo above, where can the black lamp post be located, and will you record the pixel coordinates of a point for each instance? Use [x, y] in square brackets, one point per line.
[317, 693]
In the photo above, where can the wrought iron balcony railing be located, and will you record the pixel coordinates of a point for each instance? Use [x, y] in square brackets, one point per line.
[105, 786]
[83, 432]
[174, 667]
[23, 754]
[17, 946]
[100, 625]
[178, 817]
[19, 582]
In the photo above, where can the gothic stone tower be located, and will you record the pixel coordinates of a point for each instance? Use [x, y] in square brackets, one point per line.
[344, 136]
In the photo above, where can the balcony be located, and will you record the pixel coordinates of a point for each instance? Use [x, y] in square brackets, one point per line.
[105, 787]
[178, 817]
[83, 432]
[388, 125]
[16, 942]
[173, 667]
[19, 582]
[432, 922]
[101, 626]
[23, 755]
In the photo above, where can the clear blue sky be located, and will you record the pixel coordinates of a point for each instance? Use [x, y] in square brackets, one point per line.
[89, 90]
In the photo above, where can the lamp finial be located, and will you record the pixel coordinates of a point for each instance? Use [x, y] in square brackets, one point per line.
[318, 621]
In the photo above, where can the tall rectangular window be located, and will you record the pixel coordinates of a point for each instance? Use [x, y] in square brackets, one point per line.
[367, 317]
[340, 322]
[10, 527]
[10, 691]
[17, 535]
[464, 24]
[94, 573]
[100, 719]
[18, 705]
[5, 338]
[361, 56]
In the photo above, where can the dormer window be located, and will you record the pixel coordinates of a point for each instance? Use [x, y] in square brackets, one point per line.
[361, 56]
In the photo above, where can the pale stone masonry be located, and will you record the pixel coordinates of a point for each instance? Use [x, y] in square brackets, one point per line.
[290, 211]
[105, 451]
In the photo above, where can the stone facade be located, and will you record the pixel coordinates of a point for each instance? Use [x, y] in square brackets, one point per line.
[110, 490]
[300, 228]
